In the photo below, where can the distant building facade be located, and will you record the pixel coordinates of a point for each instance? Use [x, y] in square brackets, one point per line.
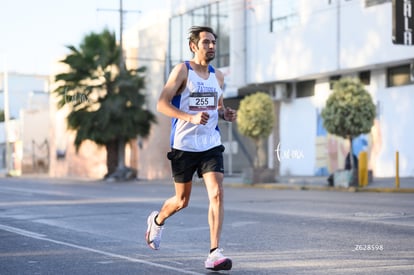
[27, 130]
[292, 50]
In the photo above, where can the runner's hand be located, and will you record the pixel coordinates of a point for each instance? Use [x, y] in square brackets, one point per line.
[230, 114]
[200, 118]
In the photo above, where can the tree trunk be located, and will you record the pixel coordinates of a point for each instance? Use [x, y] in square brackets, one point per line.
[260, 161]
[351, 154]
[354, 168]
[121, 154]
[119, 172]
[111, 156]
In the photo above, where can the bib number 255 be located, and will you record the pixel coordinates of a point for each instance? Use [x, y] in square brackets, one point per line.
[202, 101]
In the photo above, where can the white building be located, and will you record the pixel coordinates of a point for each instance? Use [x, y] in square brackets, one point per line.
[293, 49]
[27, 131]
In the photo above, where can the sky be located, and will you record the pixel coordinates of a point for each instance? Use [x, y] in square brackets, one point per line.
[34, 33]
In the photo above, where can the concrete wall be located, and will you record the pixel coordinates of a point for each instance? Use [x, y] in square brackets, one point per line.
[314, 46]
[391, 131]
[313, 49]
[152, 50]
[36, 142]
[395, 122]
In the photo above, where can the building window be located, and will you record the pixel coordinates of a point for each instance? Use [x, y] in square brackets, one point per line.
[399, 75]
[305, 88]
[370, 3]
[283, 14]
[365, 77]
[220, 23]
[332, 81]
[213, 15]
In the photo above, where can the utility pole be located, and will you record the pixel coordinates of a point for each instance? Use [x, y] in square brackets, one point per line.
[121, 29]
[121, 142]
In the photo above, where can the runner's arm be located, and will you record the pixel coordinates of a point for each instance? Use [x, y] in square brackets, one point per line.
[225, 113]
[175, 84]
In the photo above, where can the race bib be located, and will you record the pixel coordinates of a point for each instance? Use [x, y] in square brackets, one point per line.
[203, 101]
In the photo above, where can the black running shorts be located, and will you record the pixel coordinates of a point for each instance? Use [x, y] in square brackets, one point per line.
[184, 164]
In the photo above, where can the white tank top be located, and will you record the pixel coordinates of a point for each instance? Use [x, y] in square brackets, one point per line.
[198, 95]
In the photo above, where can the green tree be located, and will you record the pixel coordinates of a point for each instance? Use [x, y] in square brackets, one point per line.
[1, 115]
[255, 119]
[105, 102]
[349, 110]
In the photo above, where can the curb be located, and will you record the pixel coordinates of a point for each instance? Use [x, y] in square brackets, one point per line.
[385, 190]
[321, 188]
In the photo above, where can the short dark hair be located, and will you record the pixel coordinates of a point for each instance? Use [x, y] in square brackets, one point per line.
[194, 33]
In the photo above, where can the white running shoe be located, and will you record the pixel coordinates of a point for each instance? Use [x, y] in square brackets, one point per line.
[153, 235]
[216, 261]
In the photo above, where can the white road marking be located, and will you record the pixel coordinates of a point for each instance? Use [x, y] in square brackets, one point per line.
[21, 232]
[79, 201]
[37, 236]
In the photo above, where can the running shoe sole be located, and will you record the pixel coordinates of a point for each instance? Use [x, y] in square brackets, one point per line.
[150, 244]
[226, 264]
[147, 234]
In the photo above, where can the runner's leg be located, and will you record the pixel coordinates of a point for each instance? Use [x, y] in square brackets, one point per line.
[175, 203]
[214, 185]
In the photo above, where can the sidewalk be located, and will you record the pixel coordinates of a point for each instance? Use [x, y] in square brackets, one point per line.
[321, 184]
[285, 183]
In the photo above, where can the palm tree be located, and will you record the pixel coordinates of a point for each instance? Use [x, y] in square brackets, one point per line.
[105, 102]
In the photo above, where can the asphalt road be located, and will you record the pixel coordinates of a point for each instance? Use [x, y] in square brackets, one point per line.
[50, 226]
